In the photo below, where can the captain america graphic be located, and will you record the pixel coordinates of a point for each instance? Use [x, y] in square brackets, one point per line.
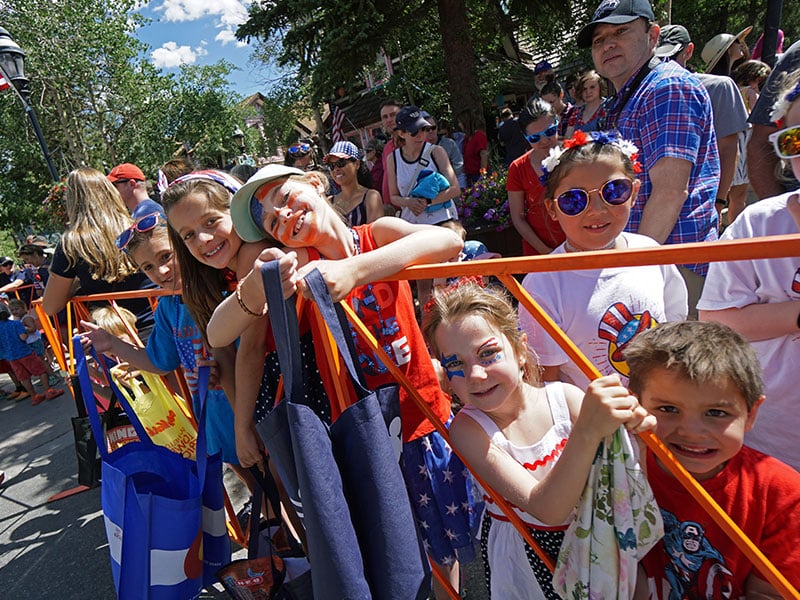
[696, 570]
[618, 327]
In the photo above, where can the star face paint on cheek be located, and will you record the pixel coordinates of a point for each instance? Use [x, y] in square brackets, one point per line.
[449, 363]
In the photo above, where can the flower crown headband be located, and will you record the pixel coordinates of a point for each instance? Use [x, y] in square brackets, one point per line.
[782, 106]
[582, 138]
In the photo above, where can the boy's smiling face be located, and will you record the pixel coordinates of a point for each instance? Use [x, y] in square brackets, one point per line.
[703, 424]
[156, 259]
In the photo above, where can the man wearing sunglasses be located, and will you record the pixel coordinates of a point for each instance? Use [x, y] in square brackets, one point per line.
[666, 112]
[130, 182]
[762, 162]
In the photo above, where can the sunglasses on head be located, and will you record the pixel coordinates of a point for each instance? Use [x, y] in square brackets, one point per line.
[146, 223]
[300, 149]
[341, 163]
[550, 131]
[786, 142]
[574, 201]
[426, 129]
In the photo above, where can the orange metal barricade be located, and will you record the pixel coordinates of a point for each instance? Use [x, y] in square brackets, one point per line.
[504, 268]
[750, 249]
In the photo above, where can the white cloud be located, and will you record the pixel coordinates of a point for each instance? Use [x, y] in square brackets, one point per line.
[170, 55]
[227, 14]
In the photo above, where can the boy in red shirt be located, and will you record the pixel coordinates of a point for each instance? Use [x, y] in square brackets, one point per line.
[702, 381]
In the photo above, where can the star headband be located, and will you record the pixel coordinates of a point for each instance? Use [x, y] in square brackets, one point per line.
[229, 182]
[582, 138]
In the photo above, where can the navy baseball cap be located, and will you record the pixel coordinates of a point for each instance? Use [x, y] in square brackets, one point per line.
[615, 12]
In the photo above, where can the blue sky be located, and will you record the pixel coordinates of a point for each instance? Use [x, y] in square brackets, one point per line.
[201, 32]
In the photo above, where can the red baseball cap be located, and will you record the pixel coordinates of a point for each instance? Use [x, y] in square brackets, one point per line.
[124, 172]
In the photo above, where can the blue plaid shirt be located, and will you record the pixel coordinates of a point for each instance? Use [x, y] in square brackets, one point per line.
[669, 115]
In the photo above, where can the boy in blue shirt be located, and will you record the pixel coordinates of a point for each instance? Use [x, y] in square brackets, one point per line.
[24, 362]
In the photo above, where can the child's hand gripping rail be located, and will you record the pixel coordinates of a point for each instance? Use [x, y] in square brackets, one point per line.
[501, 502]
[749, 249]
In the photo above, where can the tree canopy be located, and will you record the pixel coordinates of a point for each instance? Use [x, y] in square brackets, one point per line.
[100, 101]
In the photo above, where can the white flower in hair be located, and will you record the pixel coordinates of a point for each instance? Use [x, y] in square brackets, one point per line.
[781, 107]
[552, 160]
[582, 138]
[779, 110]
[628, 148]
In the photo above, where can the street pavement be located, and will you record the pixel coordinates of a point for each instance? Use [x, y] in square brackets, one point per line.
[58, 549]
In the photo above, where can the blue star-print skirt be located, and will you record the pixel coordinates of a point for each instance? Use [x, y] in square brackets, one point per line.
[440, 489]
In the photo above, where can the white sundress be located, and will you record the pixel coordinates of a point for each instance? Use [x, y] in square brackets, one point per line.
[513, 570]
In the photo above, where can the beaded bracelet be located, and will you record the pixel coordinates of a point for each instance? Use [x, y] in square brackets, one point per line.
[243, 306]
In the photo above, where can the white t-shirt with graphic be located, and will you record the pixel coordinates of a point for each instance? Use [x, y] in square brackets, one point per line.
[601, 310]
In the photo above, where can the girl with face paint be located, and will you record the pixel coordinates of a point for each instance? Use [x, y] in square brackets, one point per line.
[532, 443]
[291, 209]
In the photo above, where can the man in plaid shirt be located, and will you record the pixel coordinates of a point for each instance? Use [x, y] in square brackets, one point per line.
[666, 112]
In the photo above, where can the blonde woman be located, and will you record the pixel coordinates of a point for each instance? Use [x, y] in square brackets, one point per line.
[591, 90]
[87, 260]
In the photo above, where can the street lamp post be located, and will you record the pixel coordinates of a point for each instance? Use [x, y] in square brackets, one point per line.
[238, 139]
[11, 68]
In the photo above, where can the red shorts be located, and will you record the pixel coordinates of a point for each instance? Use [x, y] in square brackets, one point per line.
[27, 366]
[5, 366]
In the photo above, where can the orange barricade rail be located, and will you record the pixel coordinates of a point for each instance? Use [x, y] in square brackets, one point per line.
[749, 249]
[504, 268]
[18, 289]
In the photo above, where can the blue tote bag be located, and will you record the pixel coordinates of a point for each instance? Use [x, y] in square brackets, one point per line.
[164, 514]
[345, 481]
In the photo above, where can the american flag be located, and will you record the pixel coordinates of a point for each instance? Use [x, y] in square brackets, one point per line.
[337, 124]
[4, 85]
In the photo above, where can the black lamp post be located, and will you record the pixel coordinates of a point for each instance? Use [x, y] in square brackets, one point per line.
[238, 139]
[11, 68]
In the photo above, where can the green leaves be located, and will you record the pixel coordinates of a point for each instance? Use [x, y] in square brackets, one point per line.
[101, 102]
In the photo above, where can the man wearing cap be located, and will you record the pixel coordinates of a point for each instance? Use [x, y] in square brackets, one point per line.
[730, 113]
[130, 183]
[666, 112]
[542, 75]
[34, 273]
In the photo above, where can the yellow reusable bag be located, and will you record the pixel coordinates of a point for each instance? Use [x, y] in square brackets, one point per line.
[165, 416]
